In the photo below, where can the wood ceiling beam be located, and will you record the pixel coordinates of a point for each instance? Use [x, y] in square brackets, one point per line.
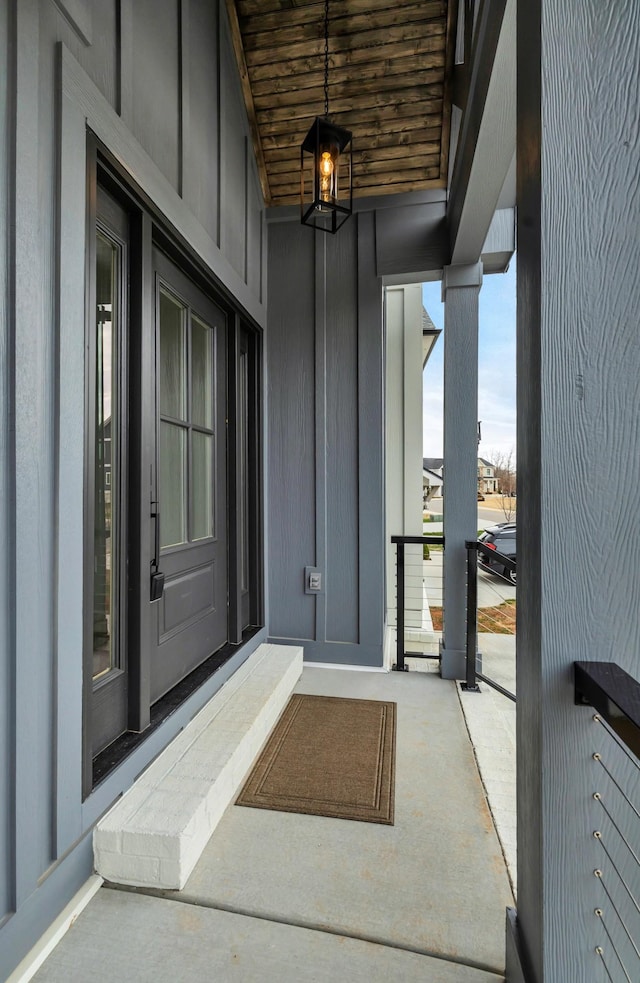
[341, 97]
[286, 32]
[342, 84]
[415, 100]
[373, 190]
[417, 49]
[260, 20]
[396, 151]
[403, 36]
[384, 169]
[432, 70]
[372, 130]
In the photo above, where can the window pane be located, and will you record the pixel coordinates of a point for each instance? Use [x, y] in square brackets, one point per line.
[172, 357]
[173, 513]
[201, 373]
[106, 458]
[201, 485]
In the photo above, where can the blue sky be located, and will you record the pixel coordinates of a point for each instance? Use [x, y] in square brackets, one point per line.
[496, 366]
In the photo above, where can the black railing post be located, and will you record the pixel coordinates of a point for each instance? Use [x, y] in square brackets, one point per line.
[400, 606]
[471, 683]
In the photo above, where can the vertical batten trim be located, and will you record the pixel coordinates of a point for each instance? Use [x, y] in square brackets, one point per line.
[125, 62]
[218, 231]
[320, 389]
[247, 178]
[8, 473]
[70, 331]
[33, 509]
[184, 93]
[371, 515]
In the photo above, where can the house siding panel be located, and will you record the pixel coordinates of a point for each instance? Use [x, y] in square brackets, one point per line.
[291, 431]
[233, 177]
[128, 87]
[99, 55]
[330, 516]
[201, 121]
[155, 84]
[341, 427]
[578, 462]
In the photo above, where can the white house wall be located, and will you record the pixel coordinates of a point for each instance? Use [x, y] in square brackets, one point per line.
[403, 443]
[158, 84]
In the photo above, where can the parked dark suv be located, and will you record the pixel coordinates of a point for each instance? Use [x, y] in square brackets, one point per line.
[502, 538]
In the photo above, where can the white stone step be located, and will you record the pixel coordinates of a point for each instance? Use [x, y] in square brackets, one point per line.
[154, 835]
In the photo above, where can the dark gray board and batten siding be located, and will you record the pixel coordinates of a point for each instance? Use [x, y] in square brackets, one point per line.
[154, 81]
[325, 437]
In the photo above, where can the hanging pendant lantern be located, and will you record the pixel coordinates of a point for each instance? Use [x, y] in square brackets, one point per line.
[325, 164]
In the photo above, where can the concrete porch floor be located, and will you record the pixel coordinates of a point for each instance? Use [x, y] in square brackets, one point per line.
[284, 897]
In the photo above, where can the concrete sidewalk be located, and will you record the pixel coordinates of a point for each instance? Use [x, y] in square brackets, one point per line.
[284, 897]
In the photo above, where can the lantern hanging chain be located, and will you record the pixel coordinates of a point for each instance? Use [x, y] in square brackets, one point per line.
[326, 58]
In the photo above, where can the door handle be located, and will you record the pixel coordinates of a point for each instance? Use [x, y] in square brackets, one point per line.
[157, 578]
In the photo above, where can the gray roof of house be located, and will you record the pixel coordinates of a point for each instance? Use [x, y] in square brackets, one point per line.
[427, 323]
[432, 463]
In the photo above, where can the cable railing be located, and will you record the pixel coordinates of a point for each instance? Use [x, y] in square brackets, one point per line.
[615, 696]
[400, 543]
[473, 674]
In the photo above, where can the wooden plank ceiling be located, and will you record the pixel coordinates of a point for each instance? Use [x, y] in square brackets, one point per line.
[390, 65]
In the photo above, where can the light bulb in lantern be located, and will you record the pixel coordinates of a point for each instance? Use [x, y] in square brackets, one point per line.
[326, 175]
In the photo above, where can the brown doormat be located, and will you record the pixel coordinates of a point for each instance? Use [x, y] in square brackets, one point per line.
[328, 756]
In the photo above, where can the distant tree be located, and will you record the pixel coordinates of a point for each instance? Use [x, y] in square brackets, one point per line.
[504, 463]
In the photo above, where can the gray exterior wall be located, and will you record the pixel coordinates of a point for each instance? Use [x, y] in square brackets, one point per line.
[325, 440]
[157, 82]
[578, 464]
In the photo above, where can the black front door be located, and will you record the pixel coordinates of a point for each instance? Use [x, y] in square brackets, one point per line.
[190, 486]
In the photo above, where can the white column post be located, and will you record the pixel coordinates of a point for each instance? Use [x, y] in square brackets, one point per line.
[460, 291]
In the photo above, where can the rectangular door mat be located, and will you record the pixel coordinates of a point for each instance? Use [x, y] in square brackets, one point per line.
[328, 756]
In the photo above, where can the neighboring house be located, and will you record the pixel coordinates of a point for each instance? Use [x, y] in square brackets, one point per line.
[149, 166]
[432, 478]
[487, 481]
[431, 486]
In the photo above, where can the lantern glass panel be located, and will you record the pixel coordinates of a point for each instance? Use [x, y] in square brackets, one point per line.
[325, 176]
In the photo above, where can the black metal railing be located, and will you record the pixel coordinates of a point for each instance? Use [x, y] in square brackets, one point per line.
[615, 695]
[472, 673]
[400, 542]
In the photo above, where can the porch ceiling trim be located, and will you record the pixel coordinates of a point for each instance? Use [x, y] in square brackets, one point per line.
[487, 138]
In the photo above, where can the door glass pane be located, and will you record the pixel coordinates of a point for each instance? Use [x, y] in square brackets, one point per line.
[201, 485]
[106, 457]
[173, 509]
[201, 373]
[172, 357]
